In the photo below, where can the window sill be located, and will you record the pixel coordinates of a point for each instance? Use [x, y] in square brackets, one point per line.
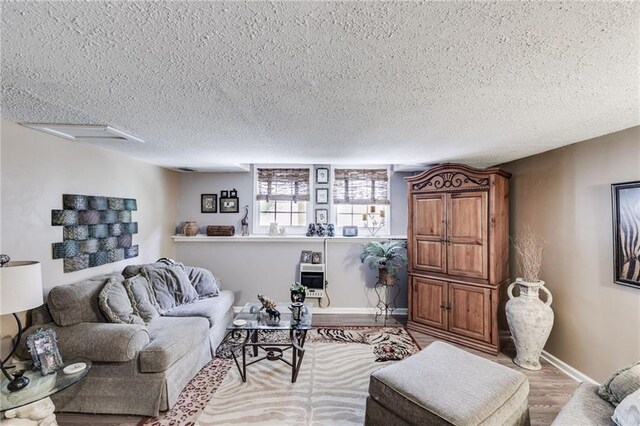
[285, 239]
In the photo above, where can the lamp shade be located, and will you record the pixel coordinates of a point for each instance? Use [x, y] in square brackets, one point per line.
[20, 287]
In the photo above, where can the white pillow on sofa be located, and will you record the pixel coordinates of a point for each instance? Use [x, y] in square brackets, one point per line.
[627, 413]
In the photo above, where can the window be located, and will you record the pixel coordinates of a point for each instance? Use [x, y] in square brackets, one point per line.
[361, 197]
[282, 196]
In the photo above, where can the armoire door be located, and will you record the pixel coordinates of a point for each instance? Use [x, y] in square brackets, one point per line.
[428, 227]
[467, 240]
[470, 311]
[428, 302]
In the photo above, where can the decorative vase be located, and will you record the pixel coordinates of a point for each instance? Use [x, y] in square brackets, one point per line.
[530, 321]
[385, 278]
[190, 228]
[298, 296]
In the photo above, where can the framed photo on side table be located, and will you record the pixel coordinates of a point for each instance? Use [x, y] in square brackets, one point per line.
[229, 205]
[322, 175]
[349, 231]
[209, 203]
[322, 196]
[626, 229]
[43, 347]
[322, 216]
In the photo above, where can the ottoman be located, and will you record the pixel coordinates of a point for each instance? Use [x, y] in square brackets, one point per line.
[444, 385]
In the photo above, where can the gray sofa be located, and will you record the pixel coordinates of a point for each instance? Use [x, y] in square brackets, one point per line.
[138, 369]
[585, 408]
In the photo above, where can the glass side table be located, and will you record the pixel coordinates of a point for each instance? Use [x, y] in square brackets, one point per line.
[34, 402]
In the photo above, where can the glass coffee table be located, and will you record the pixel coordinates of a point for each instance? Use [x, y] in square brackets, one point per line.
[254, 324]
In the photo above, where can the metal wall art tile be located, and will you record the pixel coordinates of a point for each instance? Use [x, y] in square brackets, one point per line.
[75, 202]
[77, 233]
[114, 203]
[99, 231]
[64, 217]
[124, 216]
[109, 216]
[97, 203]
[88, 217]
[96, 230]
[78, 263]
[64, 249]
[130, 252]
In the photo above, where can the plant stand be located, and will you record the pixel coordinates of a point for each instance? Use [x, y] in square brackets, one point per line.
[387, 295]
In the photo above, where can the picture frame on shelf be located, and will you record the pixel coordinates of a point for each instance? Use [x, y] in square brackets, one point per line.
[322, 216]
[322, 196]
[349, 231]
[316, 257]
[625, 199]
[229, 205]
[208, 203]
[306, 256]
[322, 175]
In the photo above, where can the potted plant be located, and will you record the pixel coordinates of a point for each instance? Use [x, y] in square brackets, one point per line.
[388, 257]
[530, 319]
[298, 292]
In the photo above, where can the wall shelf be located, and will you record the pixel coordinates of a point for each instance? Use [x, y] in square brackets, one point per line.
[285, 239]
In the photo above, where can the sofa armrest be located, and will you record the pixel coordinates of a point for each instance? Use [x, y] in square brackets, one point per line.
[99, 342]
[585, 408]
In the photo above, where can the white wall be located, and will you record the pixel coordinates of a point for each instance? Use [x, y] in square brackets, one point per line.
[565, 194]
[38, 168]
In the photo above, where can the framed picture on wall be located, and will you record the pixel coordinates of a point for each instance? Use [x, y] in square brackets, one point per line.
[322, 215]
[626, 233]
[209, 203]
[322, 196]
[322, 175]
[229, 205]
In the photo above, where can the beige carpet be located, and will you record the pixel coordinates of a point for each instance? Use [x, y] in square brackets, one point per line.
[331, 389]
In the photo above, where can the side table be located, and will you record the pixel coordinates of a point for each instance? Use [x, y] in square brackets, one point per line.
[33, 403]
[387, 295]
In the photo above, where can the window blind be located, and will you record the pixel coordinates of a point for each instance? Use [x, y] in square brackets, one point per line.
[283, 185]
[361, 186]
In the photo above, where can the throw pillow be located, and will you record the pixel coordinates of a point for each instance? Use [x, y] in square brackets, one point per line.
[203, 281]
[171, 286]
[143, 301]
[133, 270]
[627, 413]
[620, 384]
[115, 304]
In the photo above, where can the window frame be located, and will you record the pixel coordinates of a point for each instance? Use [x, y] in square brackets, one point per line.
[386, 230]
[294, 230]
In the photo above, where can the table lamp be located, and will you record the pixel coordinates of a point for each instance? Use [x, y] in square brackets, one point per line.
[20, 290]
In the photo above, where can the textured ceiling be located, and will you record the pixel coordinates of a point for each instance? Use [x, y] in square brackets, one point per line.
[218, 83]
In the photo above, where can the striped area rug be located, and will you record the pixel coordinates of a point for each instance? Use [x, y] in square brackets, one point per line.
[331, 390]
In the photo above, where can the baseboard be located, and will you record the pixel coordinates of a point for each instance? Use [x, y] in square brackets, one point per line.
[567, 369]
[344, 311]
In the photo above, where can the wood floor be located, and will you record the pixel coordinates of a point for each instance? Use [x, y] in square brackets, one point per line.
[550, 389]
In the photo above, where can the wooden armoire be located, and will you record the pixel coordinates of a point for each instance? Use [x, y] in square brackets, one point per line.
[458, 246]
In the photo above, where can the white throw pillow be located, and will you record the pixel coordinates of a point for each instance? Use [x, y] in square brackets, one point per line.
[627, 413]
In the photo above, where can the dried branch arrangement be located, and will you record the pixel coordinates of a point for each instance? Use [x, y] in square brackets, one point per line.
[529, 247]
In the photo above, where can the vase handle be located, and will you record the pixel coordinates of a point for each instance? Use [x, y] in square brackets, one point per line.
[510, 291]
[549, 296]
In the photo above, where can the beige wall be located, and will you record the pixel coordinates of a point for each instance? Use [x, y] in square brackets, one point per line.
[565, 194]
[36, 169]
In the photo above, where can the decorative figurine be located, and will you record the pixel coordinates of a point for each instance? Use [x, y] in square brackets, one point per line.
[320, 230]
[331, 230]
[269, 305]
[311, 230]
[245, 222]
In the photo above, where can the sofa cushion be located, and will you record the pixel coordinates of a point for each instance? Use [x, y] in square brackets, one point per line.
[585, 408]
[133, 270]
[143, 301]
[203, 281]
[214, 309]
[171, 286]
[171, 339]
[442, 382]
[628, 411]
[621, 383]
[115, 304]
[78, 302]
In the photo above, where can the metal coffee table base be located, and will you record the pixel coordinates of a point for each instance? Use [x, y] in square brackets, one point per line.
[272, 351]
